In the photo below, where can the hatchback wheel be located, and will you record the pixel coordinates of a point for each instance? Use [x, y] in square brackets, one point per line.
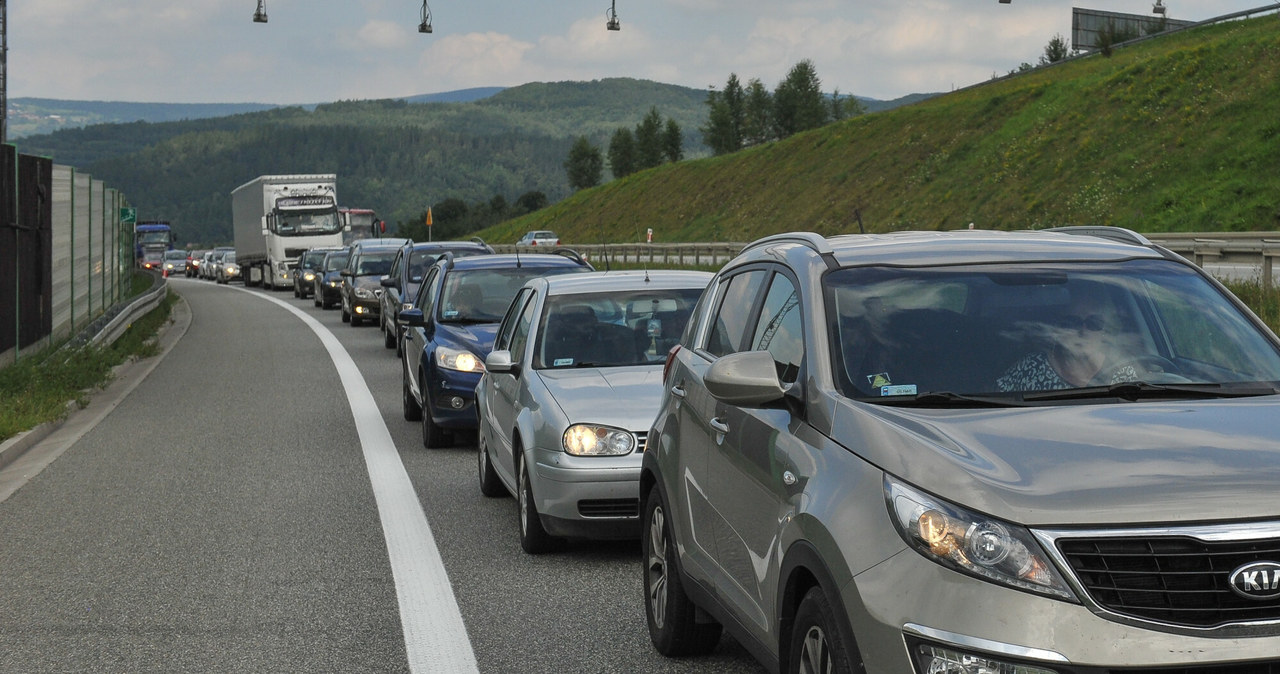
[412, 410]
[490, 485]
[533, 538]
[433, 437]
[388, 335]
[816, 644]
[316, 300]
[672, 617]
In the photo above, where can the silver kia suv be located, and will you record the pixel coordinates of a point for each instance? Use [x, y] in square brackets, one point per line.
[961, 452]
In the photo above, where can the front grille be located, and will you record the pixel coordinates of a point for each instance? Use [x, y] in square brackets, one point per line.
[609, 507]
[1176, 580]
[642, 441]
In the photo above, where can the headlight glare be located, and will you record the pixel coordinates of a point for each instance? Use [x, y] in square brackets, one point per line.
[975, 544]
[455, 359]
[589, 440]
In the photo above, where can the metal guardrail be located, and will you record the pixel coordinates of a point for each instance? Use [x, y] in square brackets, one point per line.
[1217, 250]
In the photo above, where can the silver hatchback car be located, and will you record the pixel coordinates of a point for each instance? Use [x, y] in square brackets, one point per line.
[963, 452]
[568, 394]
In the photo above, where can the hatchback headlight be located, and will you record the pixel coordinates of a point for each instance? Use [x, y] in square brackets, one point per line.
[364, 294]
[588, 440]
[456, 359]
[309, 276]
[975, 544]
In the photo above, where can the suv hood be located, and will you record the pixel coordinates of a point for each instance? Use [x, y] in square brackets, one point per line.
[1129, 463]
[628, 397]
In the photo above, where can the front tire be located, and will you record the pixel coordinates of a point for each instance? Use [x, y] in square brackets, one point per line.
[412, 410]
[817, 647]
[490, 485]
[672, 616]
[388, 335]
[533, 538]
[433, 437]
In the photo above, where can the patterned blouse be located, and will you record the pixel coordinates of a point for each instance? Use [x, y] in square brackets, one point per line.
[1034, 373]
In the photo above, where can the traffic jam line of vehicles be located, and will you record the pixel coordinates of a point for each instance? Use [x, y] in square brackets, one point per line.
[942, 452]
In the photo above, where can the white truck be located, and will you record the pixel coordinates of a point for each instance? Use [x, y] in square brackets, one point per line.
[277, 218]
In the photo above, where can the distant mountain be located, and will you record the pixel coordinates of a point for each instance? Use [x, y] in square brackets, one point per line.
[33, 116]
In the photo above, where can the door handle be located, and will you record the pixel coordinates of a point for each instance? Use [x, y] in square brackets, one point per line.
[678, 391]
[719, 426]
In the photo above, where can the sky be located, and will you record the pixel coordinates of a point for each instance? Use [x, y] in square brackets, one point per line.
[317, 51]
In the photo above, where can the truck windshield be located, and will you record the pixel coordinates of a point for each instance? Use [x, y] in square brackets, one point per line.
[307, 223]
[153, 237]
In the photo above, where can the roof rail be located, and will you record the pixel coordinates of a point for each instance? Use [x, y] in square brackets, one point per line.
[572, 255]
[1119, 234]
[482, 243]
[814, 241]
[817, 242]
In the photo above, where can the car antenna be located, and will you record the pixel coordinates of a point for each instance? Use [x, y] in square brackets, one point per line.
[858, 215]
[518, 265]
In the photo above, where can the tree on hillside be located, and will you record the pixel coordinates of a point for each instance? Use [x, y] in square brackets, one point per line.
[1057, 50]
[798, 103]
[649, 141]
[584, 165]
[757, 118]
[725, 117]
[622, 153]
[673, 141]
[531, 201]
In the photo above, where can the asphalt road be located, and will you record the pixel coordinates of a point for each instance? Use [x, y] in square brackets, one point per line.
[222, 517]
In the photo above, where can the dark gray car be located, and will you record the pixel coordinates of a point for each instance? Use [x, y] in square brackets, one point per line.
[969, 451]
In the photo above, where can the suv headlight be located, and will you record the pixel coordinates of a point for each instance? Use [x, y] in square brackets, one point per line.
[457, 359]
[364, 294]
[975, 544]
[309, 276]
[588, 440]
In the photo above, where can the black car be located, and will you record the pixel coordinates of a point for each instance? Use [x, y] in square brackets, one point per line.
[309, 267]
[327, 288]
[361, 281]
[401, 283]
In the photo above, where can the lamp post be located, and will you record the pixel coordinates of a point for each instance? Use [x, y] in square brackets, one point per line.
[4, 71]
[260, 16]
[425, 26]
[612, 23]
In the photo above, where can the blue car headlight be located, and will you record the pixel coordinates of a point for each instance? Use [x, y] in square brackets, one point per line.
[458, 359]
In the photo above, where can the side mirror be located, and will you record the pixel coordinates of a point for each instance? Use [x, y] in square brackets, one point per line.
[748, 379]
[344, 272]
[499, 361]
[411, 318]
[388, 282]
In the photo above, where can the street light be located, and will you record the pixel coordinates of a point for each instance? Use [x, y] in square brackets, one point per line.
[1158, 8]
[612, 14]
[260, 16]
[425, 26]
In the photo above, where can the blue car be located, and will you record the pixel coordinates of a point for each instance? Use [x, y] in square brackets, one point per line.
[451, 328]
[400, 285]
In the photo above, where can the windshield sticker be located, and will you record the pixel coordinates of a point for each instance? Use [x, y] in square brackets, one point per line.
[900, 390]
[561, 362]
[450, 313]
[879, 380]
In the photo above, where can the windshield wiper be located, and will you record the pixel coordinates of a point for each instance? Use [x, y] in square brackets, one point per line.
[1135, 390]
[945, 399]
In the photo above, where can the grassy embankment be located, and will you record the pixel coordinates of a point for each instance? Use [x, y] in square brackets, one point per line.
[1181, 133]
[37, 388]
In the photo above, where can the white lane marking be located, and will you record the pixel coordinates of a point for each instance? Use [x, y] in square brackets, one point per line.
[434, 634]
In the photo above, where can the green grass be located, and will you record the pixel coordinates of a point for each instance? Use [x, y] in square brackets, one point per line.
[1181, 133]
[38, 387]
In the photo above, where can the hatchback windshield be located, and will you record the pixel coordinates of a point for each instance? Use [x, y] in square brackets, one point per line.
[312, 259]
[336, 261]
[375, 263]
[1014, 329]
[612, 329]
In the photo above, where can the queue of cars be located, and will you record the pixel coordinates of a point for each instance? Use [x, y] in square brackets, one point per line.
[941, 452]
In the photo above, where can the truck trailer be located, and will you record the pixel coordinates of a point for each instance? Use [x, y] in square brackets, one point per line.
[279, 217]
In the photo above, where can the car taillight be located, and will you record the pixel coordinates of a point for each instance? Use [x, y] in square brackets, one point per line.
[671, 358]
[533, 243]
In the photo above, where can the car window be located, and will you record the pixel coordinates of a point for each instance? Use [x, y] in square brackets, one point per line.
[374, 263]
[1007, 328]
[729, 323]
[613, 329]
[520, 337]
[483, 295]
[508, 326]
[396, 265]
[779, 329]
[336, 261]
[427, 292]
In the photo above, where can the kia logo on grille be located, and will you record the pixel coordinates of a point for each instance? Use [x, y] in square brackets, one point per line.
[1259, 580]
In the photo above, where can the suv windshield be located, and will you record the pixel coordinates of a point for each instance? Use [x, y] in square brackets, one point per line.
[311, 259]
[375, 263]
[336, 261]
[482, 295]
[1013, 329]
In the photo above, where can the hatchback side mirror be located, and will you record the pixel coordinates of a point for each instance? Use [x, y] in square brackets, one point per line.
[388, 282]
[748, 379]
[499, 361]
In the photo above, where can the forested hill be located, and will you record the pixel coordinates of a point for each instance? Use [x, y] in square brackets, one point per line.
[393, 156]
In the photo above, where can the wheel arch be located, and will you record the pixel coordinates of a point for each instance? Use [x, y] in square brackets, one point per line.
[802, 569]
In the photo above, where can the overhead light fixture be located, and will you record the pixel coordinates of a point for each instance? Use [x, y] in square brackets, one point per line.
[1158, 8]
[1004, 2]
[425, 26]
[612, 14]
[260, 16]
